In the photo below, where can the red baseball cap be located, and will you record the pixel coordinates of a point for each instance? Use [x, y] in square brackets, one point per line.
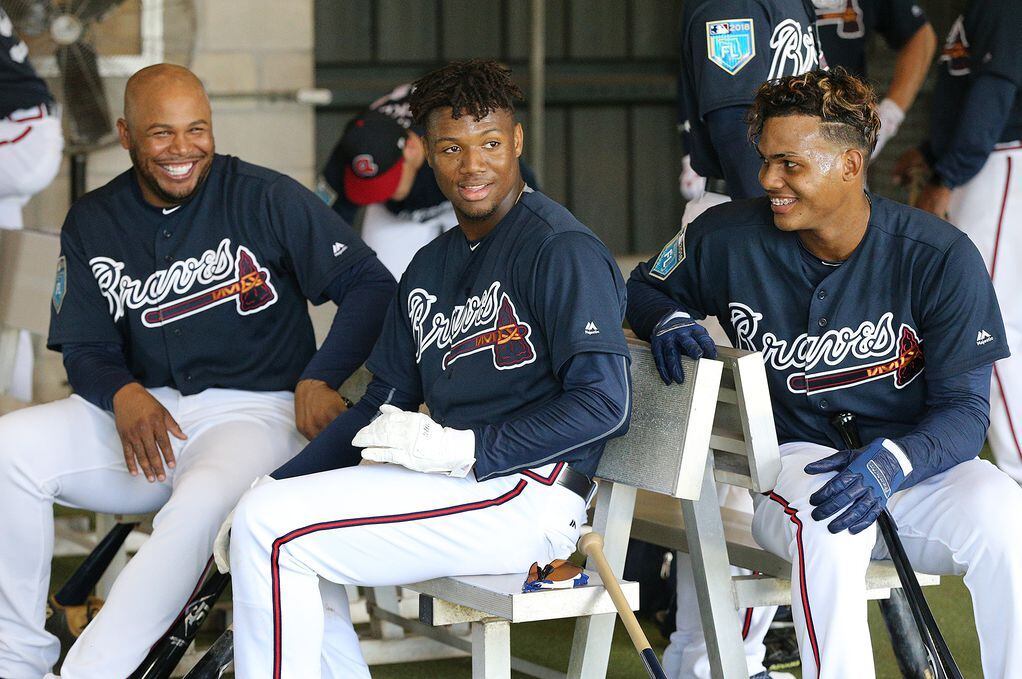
[372, 151]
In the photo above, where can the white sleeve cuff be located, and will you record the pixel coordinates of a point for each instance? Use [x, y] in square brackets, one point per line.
[899, 455]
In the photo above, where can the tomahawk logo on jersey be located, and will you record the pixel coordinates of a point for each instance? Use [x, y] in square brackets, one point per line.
[239, 276]
[956, 49]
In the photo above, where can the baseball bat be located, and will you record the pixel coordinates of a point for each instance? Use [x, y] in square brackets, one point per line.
[217, 660]
[81, 583]
[944, 664]
[166, 653]
[591, 544]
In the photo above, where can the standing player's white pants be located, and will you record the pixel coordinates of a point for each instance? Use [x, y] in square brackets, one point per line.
[68, 452]
[961, 521]
[374, 525]
[30, 146]
[685, 656]
[989, 209]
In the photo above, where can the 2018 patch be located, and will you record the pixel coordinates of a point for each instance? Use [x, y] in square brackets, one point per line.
[60, 284]
[731, 44]
[670, 257]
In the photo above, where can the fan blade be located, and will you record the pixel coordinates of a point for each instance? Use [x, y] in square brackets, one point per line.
[89, 10]
[84, 94]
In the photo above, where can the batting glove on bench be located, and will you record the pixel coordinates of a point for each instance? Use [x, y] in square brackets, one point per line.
[866, 478]
[415, 441]
[675, 335]
[222, 542]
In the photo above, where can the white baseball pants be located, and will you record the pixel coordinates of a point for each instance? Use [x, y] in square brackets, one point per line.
[68, 452]
[374, 525]
[962, 521]
[989, 209]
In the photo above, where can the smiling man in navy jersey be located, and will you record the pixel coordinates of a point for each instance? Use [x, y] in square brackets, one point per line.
[181, 309]
[509, 329]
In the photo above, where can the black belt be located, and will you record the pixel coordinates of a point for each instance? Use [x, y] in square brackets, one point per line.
[576, 482]
[717, 185]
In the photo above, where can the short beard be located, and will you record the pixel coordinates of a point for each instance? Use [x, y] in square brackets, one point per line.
[483, 216]
[153, 185]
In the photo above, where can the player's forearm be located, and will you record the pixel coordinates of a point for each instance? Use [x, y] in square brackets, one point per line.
[96, 371]
[738, 157]
[573, 427]
[954, 427]
[911, 67]
[647, 304]
[362, 294]
[332, 449]
[983, 117]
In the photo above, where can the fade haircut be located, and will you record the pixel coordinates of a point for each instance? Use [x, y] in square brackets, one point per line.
[846, 106]
[474, 87]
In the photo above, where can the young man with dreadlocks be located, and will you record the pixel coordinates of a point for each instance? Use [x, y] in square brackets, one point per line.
[858, 304]
[509, 329]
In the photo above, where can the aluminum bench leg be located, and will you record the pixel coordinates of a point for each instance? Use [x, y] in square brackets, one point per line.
[590, 647]
[387, 599]
[491, 649]
[712, 572]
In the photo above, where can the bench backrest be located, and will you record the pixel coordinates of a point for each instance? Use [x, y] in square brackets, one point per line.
[657, 454]
[27, 265]
[723, 408]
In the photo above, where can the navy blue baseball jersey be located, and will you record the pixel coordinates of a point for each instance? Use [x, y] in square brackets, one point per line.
[912, 304]
[210, 293]
[844, 32]
[984, 40]
[20, 87]
[480, 331]
[731, 47]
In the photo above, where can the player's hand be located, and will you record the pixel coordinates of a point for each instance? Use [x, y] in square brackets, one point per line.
[911, 168]
[691, 185]
[316, 406]
[675, 335]
[865, 479]
[415, 441]
[142, 423]
[934, 199]
[222, 542]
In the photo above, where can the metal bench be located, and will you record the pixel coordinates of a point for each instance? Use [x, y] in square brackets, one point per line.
[664, 453]
[744, 453]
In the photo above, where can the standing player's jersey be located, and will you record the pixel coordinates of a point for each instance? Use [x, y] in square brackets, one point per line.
[983, 40]
[480, 331]
[912, 302]
[210, 293]
[20, 87]
[844, 31]
[731, 47]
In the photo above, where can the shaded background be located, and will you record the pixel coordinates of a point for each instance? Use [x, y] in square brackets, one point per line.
[612, 152]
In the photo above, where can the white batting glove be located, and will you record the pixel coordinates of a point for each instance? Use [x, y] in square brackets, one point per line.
[691, 185]
[891, 117]
[416, 442]
[222, 542]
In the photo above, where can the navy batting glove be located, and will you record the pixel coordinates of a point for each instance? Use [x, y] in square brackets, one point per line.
[677, 334]
[866, 478]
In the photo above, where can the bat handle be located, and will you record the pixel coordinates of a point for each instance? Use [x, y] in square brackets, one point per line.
[844, 422]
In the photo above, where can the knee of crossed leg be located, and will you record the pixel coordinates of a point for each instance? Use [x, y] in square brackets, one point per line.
[253, 520]
[992, 515]
[16, 452]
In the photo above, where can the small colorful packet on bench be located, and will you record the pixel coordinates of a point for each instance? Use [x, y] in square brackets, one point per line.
[558, 574]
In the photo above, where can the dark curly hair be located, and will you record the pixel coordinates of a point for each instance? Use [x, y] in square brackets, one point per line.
[474, 87]
[846, 105]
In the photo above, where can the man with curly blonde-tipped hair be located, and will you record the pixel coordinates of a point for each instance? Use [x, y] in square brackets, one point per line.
[858, 304]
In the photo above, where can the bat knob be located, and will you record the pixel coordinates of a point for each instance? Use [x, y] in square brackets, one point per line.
[590, 542]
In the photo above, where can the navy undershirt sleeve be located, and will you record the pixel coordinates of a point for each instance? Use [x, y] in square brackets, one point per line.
[594, 406]
[954, 427]
[332, 449]
[362, 294]
[647, 305]
[982, 119]
[738, 158]
[96, 371]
